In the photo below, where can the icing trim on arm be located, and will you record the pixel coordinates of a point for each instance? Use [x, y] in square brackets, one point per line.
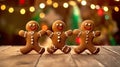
[25, 33]
[79, 34]
[39, 34]
[66, 34]
[94, 34]
[51, 35]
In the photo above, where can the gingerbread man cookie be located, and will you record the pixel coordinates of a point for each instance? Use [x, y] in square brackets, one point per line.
[32, 37]
[87, 35]
[58, 37]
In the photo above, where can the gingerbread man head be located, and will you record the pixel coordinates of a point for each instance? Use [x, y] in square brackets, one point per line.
[32, 26]
[87, 25]
[58, 26]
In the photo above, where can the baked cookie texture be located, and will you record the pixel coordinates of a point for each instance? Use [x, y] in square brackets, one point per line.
[31, 35]
[87, 34]
[58, 37]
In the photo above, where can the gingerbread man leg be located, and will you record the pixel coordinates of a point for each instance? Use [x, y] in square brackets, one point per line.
[51, 49]
[93, 50]
[25, 49]
[39, 49]
[66, 49]
[79, 49]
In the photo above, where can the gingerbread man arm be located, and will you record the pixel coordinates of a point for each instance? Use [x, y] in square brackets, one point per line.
[49, 33]
[22, 33]
[77, 32]
[68, 33]
[96, 33]
[40, 33]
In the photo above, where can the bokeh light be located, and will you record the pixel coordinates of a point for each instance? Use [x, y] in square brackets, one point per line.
[117, 0]
[49, 2]
[11, 10]
[92, 6]
[44, 27]
[105, 8]
[42, 5]
[22, 11]
[42, 15]
[116, 8]
[107, 17]
[65, 5]
[97, 7]
[32, 9]
[83, 2]
[55, 4]
[3, 7]
[72, 3]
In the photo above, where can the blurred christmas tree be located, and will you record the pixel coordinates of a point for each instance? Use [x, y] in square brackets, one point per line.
[75, 20]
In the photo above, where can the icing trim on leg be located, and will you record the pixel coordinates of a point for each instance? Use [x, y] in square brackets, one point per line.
[54, 47]
[64, 47]
[67, 50]
[96, 50]
[41, 51]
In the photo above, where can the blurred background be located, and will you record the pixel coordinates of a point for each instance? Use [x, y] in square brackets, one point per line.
[14, 14]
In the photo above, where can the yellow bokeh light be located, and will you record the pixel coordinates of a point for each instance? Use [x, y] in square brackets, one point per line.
[79, 0]
[105, 8]
[32, 9]
[3, 7]
[22, 11]
[116, 8]
[42, 5]
[55, 4]
[83, 2]
[11, 10]
[72, 3]
[49, 2]
[65, 5]
[92, 6]
[42, 15]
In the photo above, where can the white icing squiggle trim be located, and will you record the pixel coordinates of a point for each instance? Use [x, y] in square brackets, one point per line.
[51, 35]
[66, 34]
[25, 34]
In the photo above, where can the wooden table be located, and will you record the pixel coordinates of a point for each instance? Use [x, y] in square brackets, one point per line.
[109, 56]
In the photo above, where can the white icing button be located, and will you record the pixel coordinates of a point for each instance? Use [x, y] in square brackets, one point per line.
[31, 36]
[87, 32]
[86, 42]
[58, 40]
[86, 38]
[58, 33]
[32, 33]
[31, 39]
[58, 36]
[31, 42]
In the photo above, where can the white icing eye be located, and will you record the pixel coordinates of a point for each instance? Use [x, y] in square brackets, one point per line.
[30, 25]
[60, 24]
[33, 24]
[86, 24]
[89, 24]
[56, 24]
